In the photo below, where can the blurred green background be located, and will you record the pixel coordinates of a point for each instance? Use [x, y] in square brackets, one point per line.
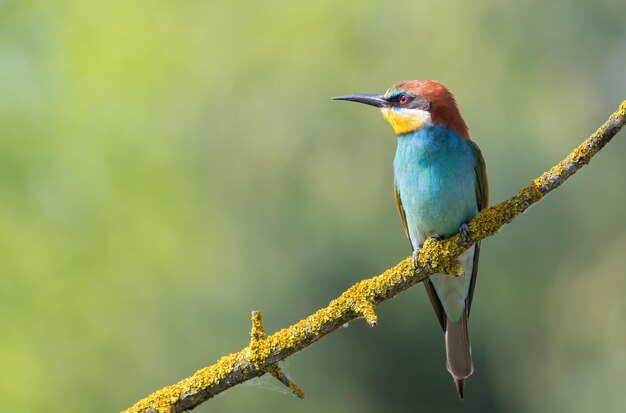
[167, 167]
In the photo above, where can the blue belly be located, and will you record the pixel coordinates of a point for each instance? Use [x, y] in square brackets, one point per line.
[436, 181]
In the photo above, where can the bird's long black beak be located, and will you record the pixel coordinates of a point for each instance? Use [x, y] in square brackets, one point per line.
[369, 99]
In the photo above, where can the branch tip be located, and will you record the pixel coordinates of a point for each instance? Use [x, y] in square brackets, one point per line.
[366, 309]
[276, 371]
[257, 332]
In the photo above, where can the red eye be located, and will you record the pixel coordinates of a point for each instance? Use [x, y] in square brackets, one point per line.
[403, 100]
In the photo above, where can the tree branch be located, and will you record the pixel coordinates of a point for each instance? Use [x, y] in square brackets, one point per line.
[264, 352]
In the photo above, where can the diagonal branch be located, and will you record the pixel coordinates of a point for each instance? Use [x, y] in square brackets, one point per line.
[264, 352]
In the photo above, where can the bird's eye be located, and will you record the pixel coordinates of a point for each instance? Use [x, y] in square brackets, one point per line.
[403, 99]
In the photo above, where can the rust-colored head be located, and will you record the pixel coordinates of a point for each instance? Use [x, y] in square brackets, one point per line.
[412, 104]
[442, 105]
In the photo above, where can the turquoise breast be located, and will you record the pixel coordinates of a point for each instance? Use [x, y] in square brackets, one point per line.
[434, 174]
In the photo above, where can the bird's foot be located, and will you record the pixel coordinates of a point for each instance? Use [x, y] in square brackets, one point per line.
[415, 254]
[464, 231]
[435, 237]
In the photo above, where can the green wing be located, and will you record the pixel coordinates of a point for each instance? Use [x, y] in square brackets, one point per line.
[482, 199]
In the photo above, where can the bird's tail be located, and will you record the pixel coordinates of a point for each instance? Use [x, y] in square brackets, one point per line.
[458, 352]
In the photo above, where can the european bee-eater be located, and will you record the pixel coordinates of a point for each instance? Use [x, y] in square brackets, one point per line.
[440, 185]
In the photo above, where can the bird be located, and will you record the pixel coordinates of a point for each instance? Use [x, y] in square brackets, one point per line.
[440, 184]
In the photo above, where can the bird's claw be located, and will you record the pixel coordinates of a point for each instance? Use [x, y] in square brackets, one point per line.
[464, 231]
[435, 237]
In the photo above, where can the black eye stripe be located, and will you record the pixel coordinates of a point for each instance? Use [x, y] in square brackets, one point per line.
[413, 102]
[419, 103]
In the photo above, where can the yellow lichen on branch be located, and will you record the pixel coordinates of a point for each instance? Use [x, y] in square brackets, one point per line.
[264, 352]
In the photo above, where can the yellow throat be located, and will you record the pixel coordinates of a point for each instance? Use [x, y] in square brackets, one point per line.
[405, 120]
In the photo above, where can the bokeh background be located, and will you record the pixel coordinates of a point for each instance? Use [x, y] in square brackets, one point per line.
[167, 167]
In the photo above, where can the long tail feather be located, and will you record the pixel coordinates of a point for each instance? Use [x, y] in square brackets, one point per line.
[458, 352]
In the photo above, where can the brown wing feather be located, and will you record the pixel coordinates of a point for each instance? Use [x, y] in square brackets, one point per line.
[470, 293]
[434, 300]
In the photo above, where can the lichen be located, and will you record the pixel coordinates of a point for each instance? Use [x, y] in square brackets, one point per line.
[257, 335]
[257, 332]
[440, 257]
